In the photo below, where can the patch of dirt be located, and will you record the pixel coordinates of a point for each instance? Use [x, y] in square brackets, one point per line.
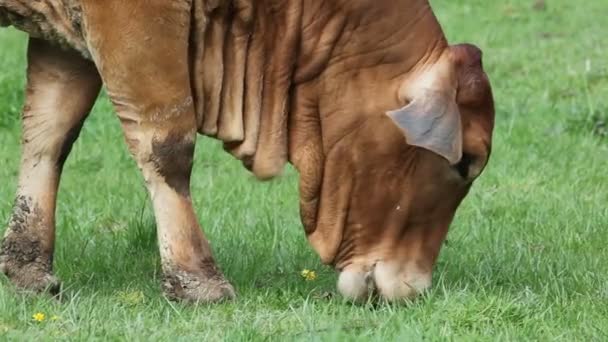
[22, 258]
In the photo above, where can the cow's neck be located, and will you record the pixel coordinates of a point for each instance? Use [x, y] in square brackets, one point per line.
[380, 46]
[345, 57]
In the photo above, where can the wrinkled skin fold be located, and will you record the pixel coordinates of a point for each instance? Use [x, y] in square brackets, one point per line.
[387, 124]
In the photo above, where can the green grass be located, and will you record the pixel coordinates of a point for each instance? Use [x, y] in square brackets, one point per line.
[526, 258]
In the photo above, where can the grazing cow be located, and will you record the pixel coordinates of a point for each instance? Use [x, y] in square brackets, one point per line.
[387, 124]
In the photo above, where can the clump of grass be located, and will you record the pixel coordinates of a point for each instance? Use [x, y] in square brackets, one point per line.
[595, 124]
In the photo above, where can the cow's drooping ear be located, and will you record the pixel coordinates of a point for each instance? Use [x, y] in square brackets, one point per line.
[432, 121]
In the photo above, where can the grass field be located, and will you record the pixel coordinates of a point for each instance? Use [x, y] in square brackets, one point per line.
[527, 256]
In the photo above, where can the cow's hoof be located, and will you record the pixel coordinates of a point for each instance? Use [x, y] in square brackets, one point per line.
[30, 278]
[197, 287]
[24, 263]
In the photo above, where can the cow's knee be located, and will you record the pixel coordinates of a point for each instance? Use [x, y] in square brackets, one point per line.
[164, 156]
[171, 156]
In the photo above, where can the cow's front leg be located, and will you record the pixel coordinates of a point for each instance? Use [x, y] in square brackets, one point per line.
[61, 89]
[144, 63]
[164, 154]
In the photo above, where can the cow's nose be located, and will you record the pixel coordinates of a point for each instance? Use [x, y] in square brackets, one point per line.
[391, 281]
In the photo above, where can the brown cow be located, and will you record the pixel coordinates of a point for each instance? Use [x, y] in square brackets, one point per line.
[387, 124]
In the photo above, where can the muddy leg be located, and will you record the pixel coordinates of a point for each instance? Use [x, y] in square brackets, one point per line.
[188, 266]
[146, 73]
[61, 89]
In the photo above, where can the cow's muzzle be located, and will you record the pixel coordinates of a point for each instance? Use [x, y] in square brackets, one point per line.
[391, 281]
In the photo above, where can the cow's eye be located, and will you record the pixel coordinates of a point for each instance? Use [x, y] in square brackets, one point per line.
[464, 165]
[470, 166]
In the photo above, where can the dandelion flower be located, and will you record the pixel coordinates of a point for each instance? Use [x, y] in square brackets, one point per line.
[131, 297]
[39, 317]
[308, 275]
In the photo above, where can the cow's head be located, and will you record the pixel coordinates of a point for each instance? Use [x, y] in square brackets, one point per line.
[391, 187]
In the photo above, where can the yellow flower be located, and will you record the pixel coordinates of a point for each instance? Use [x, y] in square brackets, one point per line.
[309, 275]
[131, 297]
[39, 317]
